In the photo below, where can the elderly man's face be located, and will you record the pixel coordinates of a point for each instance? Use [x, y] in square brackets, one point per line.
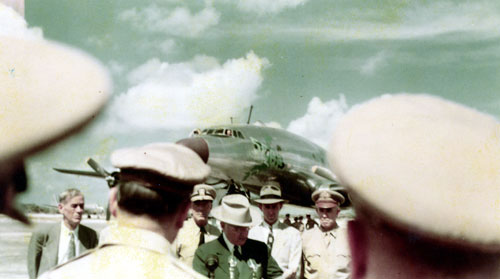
[327, 217]
[72, 211]
[200, 211]
[235, 234]
[271, 212]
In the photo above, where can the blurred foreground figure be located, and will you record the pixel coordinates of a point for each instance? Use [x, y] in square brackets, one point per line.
[57, 243]
[47, 91]
[152, 201]
[196, 230]
[423, 175]
[325, 249]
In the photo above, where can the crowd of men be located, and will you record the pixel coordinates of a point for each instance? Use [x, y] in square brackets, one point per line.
[422, 174]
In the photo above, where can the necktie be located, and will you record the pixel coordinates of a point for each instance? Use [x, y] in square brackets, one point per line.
[270, 240]
[202, 236]
[71, 246]
[236, 252]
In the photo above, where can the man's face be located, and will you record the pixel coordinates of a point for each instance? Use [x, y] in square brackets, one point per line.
[327, 217]
[271, 212]
[200, 211]
[235, 234]
[72, 211]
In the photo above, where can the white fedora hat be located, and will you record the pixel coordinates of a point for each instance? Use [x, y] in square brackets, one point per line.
[237, 211]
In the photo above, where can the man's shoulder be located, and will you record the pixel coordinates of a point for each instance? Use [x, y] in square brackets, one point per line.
[122, 261]
[255, 244]
[210, 245]
[87, 229]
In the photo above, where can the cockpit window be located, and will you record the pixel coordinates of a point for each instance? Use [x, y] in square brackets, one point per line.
[223, 133]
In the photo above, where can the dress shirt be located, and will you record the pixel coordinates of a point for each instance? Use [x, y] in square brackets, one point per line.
[62, 254]
[287, 245]
[326, 254]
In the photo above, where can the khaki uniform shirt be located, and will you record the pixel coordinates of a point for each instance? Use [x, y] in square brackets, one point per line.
[188, 238]
[326, 254]
[127, 252]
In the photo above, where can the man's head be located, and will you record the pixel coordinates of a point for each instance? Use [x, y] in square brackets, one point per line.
[42, 75]
[155, 183]
[201, 203]
[422, 173]
[71, 206]
[236, 216]
[327, 204]
[270, 202]
[287, 216]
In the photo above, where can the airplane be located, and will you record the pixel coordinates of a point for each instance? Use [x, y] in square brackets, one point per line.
[244, 157]
[249, 156]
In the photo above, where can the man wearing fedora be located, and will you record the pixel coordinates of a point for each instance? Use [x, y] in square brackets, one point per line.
[283, 241]
[235, 254]
[39, 76]
[325, 247]
[152, 200]
[196, 230]
[425, 185]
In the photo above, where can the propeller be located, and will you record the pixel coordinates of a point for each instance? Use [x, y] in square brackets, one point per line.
[111, 178]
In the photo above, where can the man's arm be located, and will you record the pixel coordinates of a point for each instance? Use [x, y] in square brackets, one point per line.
[199, 262]
[273, 269]
[295, 256]
[35, 247]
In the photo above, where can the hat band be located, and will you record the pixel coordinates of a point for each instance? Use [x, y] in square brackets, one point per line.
[271, 196]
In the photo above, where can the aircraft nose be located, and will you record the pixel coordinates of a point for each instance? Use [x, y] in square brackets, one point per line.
[198, 145]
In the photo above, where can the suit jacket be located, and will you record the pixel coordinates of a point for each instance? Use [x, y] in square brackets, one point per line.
[44, 247]
[252, 249]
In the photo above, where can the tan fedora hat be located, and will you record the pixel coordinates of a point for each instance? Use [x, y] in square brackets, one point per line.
[237, 211]
[423, 164]
[203, 192]
[269, 194]
[48, 91]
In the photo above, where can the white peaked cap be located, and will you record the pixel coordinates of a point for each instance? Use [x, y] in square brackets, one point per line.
[173, 161]
[47, 90]
[425, 164]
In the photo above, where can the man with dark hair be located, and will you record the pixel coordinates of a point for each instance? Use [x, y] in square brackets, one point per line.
[60, 242]
[287, 220]
[152, 200]
[310, 223]
[196, 230]
[284, 242]
[236, 255]
[423, 176]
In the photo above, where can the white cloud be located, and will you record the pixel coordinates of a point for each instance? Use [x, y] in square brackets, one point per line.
[200, 92]
[373, 63]
[178, 21]
[268, 6]
[320, 120]
[13, 24]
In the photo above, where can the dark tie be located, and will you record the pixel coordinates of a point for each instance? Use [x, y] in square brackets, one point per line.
[71, 246]
[270, 240]
[202, 236]
[236, 252]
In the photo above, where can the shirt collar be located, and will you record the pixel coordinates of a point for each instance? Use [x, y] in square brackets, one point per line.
[66, 231]
[230, 246]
